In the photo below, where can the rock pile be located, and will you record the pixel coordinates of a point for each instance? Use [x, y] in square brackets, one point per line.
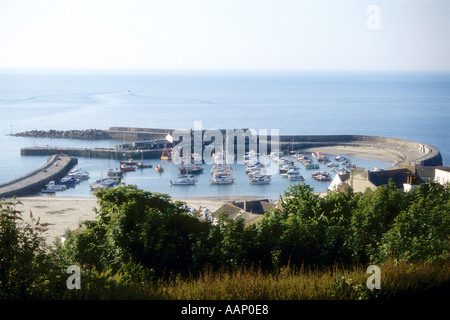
[89, 134]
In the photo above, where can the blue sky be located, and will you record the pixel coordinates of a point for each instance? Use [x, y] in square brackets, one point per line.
[225, 34]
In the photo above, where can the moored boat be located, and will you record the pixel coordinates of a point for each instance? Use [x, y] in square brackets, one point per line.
[295, 177]
[262, 180]
[127, 168]
[190, 169]
[184, 180]
[67, 181]
[129, 162]
[142, 165]
[52, 187]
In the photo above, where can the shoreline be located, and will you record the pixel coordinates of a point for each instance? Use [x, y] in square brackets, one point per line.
[66, 213]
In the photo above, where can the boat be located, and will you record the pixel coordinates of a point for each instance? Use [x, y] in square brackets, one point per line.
[196, 158]
[127, 168]
[190, 169]
[159, 168]
[293, 172]
[78, 174]
[114, 173]
[332, 165]
[165, 154]
[262, 180]
[311, 166]
[322, 178]
[52, 187]
[67, 181]
[319, 173]
[295, 177]
[222, 179]
[142, 165]
[184, 180]
[102, 184]
[129, 162]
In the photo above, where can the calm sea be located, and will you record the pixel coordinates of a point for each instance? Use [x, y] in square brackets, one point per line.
[407, 105]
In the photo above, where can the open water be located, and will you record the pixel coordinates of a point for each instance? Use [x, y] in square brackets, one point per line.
[407, 105]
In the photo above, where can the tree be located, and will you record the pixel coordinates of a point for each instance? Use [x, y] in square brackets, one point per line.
[139, 226]
[421, 232]
[23, 259]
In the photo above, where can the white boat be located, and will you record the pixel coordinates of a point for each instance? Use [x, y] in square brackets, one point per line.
[332, 165]
[295, 177]
[114, 173]
[80, 175]
[262, 180]
[184, 180]
[222, 179]
[102, 184]
[52, 187]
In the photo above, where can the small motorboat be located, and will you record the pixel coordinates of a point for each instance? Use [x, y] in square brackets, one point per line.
[190, 169]
[296, 177]
[52, 187]
[67, 181]
[127, 168]
[129, 162]
[184, 181]
[262, 180]
[159, 168]
[142, 165]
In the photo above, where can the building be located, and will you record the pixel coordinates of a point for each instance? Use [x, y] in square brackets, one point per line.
[442, 175]
[249, 210]
[145, 145]
[360, 179]
[439, 174]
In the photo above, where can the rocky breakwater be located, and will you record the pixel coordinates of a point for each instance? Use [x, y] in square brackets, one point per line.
[89, 134]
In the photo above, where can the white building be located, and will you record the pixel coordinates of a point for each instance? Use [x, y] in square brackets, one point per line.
[442, 175]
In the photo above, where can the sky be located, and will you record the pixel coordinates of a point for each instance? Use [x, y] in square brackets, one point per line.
[226, 34]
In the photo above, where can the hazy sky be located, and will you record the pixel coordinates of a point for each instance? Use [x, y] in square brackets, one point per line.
[225, 34]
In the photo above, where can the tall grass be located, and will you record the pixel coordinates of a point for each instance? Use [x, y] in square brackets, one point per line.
[398, 280]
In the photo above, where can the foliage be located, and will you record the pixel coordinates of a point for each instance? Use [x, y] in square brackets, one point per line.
[144, 245]
[25, 269]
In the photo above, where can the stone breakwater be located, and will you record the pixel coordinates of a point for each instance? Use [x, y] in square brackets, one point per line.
[56, 167]
[89, 134]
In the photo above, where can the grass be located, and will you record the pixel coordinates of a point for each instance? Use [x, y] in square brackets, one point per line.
[398, 280]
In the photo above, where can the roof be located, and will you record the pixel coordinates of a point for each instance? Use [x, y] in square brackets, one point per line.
[255, 206]
[398, 176]
[251, 206]
[443, 168]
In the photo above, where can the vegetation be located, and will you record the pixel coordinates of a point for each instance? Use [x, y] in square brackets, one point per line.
[142, 245]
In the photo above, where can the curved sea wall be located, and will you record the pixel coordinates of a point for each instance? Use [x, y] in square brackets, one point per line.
[55, 168]
[412, 153]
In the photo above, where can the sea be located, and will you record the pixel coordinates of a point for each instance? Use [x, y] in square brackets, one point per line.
[412, 105]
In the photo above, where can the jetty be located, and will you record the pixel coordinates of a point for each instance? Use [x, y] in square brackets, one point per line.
[56, 167]
[106, 153]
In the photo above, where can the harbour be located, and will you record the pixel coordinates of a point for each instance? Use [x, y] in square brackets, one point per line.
[297, 161]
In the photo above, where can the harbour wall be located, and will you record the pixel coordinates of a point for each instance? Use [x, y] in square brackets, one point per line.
[55, 168]
[411, 153]
[107, 153]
